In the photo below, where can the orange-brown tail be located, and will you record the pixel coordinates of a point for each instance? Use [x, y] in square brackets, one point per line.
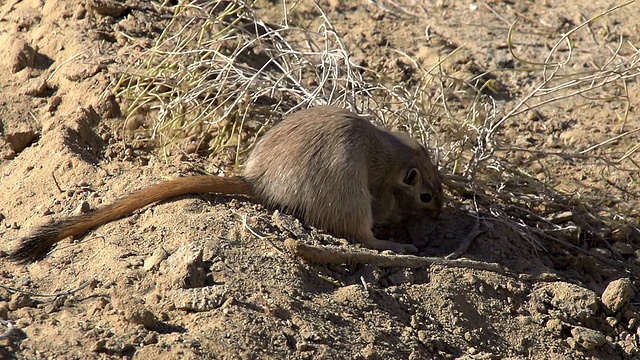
[38, 244]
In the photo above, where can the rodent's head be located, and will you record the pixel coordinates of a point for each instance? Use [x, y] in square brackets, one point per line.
[418, 191]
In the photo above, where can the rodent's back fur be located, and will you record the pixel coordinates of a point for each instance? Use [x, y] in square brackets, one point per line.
[329, 166]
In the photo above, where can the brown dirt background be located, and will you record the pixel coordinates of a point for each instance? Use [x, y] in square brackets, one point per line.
[184, 279]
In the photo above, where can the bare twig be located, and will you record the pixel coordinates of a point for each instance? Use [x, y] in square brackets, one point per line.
[333, 255]
[7, 333]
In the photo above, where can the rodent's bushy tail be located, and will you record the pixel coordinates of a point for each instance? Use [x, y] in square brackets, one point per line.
[38, 244]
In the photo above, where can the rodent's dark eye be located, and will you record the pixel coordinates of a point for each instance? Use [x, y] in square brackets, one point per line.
[410, 179]
[426, 198]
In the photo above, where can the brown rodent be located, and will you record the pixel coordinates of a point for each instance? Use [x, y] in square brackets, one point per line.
[329, 166]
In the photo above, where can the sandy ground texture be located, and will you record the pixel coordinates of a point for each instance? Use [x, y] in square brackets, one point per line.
[185, 279]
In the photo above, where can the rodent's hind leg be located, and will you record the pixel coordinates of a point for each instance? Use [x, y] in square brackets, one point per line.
[369, 240]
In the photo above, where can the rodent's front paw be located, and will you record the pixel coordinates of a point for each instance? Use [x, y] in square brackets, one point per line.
[405, 249]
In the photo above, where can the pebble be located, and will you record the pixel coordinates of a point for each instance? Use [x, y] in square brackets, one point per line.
[153, 261]
[617, 294]
[19, 136]
[575, 302]
[82, 208]
[586, 338]
[19, 301]
[17, 53]
[200, 299]
[184, 268]
[34, 86]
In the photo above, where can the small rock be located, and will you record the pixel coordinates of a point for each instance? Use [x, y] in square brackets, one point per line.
[142, 316]
[53, 103]
[575, 302]
[107, 106]
[556, 325]
[34, 86]
[289, 223]
[136, 313]
[470, 279]
[19, 301]
[351, 294]
[82, 208]
[107, 7]
[200, 299]
[98, 346]
[153, 261]
[6, 153]
[184, 269]
[19, 136]
[586, 338]
[117, 346]
[617, 294]
[369, 352]
[16, 54]
[80, 13]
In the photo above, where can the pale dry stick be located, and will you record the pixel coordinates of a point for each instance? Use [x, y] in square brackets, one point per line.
[563, 38]
[604, 82]
[55, 181]
[397, 8]
[272, 61]
[484, 148]
[593, 35]
[518, 108]
[609, 141]
[7, 333]
[56, 294]
[336, 256]
[264, 238]
[630, 152]
[614, 54]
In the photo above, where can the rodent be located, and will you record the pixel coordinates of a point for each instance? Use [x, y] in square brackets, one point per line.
[329, 166]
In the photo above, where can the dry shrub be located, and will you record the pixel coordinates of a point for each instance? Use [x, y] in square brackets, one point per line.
[222, 75]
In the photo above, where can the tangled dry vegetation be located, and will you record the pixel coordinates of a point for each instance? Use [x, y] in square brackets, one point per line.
[221, 75]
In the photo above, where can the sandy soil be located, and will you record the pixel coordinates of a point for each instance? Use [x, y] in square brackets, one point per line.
[185, 279]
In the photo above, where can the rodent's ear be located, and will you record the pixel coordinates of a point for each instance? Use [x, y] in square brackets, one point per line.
[411, 178]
